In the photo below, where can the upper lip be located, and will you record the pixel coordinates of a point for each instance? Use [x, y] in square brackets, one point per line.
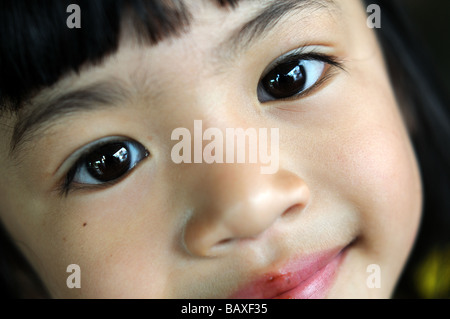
[278, 281]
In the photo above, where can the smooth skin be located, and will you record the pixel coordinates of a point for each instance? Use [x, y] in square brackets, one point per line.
[347, 173]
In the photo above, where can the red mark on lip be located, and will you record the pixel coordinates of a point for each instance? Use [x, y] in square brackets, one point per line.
[304, 277]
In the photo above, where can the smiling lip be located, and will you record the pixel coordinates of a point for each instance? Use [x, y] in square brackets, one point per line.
[304, 278]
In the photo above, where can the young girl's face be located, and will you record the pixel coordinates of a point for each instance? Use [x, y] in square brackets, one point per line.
[97, 184]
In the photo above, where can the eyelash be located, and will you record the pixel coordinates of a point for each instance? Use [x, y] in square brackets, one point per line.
[299, 54]
[68, 185]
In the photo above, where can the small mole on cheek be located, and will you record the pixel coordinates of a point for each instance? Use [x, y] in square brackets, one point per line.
[84, 224]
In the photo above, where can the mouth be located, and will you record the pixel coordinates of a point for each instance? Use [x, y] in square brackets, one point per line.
[305, 277]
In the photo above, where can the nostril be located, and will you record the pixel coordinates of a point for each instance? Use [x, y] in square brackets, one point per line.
[292, 210]
[219, 247]
[224, 241]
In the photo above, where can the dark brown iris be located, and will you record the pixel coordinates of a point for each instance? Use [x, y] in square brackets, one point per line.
[108, 162]
[285, 80]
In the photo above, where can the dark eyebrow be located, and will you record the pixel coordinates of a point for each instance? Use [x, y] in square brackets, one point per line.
[267, 19]
[90, 97]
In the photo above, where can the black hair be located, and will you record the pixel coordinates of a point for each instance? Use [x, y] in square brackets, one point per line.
[37, 49]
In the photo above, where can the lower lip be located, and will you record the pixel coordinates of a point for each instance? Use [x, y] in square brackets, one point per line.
[307, 278]
[318, 285]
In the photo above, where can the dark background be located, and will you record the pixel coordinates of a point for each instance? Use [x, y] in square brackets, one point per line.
[431, 20]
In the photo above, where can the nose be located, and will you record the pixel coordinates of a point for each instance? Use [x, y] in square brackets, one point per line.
[235, 202]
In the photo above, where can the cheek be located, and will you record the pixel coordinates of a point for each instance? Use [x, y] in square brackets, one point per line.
[373, 167]
[120, 238]
[380, 174]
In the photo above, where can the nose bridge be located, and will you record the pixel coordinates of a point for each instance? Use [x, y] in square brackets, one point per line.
[238, 202]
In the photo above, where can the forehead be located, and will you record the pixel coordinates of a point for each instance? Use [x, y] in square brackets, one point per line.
[223, 33]
[244, 17]
[220, 34]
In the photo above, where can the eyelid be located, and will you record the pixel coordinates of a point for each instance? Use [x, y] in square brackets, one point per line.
[332, 63]
[76, 155]
[66, 183]
[305, 53]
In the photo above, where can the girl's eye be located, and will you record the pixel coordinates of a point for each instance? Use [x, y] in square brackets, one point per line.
[106, 163]
[291, 77]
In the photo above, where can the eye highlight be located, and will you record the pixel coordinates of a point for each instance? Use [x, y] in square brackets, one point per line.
[105, 163]
[294, 74]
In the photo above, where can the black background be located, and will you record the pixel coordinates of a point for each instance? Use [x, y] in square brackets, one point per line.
[431, 22]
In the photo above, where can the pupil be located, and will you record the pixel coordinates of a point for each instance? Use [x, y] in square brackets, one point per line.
[108, 162]
[285, 80]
